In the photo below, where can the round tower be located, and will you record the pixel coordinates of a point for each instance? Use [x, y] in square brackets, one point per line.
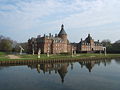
[62, 34]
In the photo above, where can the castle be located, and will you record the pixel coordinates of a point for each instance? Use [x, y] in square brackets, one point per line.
[89, 45]
[60, 44]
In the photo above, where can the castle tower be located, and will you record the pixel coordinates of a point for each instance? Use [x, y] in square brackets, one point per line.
[62, 34]
[91, 41]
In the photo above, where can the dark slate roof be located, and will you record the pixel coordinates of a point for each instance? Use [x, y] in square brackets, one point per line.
[88, 38]
[97, 42]
[62, 31]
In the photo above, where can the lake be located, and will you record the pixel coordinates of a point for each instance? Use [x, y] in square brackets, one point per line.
[82, 75]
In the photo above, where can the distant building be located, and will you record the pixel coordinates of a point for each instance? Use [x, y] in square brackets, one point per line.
[60, 44]
[89, 45]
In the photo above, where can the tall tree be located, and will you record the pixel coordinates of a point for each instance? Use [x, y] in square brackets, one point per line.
[6, 45]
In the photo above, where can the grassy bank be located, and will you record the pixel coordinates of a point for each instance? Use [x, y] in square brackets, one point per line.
[4, 56]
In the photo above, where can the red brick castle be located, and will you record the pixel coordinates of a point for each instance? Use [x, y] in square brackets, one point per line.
[60, 44]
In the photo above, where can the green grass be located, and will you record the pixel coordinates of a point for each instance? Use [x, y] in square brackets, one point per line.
[4, 57]
[2, 53]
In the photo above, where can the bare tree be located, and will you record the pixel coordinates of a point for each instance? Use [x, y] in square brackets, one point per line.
[106, 42]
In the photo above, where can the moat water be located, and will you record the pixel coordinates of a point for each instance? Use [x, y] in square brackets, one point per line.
[87, 75]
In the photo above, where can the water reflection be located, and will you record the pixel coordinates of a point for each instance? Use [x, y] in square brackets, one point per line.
[62, 68]
[117, 61]
[82, 75]
[90, 64]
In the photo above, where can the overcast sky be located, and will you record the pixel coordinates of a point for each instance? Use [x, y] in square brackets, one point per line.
[23, 19]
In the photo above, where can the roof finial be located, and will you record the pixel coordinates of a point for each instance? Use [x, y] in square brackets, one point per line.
[62, 26]
[81, 39]
[89, 34]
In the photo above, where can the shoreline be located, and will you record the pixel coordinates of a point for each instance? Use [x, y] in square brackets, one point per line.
[54, 60]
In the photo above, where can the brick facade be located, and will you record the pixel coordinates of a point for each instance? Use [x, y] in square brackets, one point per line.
[52, 44]
[89, 45]
[60, 44]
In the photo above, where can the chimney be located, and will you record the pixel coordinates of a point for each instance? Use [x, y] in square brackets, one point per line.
[56, 35]
[44, 35]
[49, 34]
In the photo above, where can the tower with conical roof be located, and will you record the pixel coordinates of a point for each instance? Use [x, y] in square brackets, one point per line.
[91, 41]
[63, 35]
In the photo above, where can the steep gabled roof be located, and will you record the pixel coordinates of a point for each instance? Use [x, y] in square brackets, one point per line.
[88, 38]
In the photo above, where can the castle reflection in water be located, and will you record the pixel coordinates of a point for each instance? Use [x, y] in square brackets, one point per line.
[62, 68]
